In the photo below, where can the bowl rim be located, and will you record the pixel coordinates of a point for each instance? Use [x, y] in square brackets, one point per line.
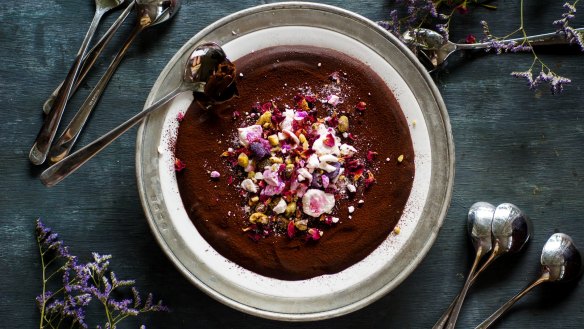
[445, 190]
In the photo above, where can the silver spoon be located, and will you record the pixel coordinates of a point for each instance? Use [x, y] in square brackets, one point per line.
[150, 13]
[480, 218]
[511, 230]
[433, 50]
[207, 72]
[560, 261]
[91, 57]
[43, 141]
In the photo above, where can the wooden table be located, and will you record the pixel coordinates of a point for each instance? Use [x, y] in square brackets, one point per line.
[512, 145]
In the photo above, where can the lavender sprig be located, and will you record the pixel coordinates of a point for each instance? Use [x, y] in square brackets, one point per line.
[564, 27]
[412, 14]
[81, 284]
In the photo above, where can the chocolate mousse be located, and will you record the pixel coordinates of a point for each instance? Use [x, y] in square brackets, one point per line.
[306, 172]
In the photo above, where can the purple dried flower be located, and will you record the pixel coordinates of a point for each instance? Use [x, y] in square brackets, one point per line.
[260, 148]
[555, 81]
[563, 25]
[81, 283]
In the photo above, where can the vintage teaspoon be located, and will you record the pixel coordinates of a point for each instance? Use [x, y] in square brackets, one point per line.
[480, 218]
[433, 49]
[91, 57]
[511, 230]
[40, 148]
[207, 71]
[150, 13]
[560, 261]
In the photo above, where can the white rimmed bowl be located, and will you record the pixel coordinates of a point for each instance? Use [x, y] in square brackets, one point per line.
[298, 23]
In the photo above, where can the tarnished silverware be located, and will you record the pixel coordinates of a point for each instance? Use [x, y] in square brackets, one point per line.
[40, 148]
[91, 56]
[150, 13]
[207, 71]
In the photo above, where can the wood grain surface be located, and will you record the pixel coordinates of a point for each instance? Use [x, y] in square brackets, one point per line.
[512, 145]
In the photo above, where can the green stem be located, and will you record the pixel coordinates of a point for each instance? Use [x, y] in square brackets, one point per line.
[44, 302]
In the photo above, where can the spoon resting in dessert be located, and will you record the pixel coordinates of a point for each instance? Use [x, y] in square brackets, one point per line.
[207, 72]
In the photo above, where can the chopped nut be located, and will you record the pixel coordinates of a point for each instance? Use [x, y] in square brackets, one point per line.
[302, 138]
[396, 230]
[274, 140]
[258, 217]
[243, 160]
[290, 209]
[266, 117]
[343, 123]
[276, 160]
[302, 224]
[400, 158]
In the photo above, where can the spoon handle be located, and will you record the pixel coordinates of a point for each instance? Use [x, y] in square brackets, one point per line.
[40, 148]
[552, 38]
[65, 143]
[469, 280]
[91, 57]
[444, 318]
[503, 309]
[60, 170]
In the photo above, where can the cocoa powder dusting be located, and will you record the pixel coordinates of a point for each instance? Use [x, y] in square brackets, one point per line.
[377, 129]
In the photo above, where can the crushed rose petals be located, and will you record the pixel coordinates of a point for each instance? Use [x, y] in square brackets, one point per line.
[371, 155]
[180, 117]
[361, 106]
[293, 162]
[179, 165]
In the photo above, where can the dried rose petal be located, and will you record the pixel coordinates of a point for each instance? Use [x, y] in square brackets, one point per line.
[329, 140]
[291, 229]
[370, 179]
[255, 237]
[361, 106]
[180, 117]
[266, 107]
[235, 115]
[371, 155]
[335, 76]
[314, 234]
[471, 39]
[179, 165]
[310, 99]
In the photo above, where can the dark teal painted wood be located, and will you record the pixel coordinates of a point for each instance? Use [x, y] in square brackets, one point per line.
[512, 144]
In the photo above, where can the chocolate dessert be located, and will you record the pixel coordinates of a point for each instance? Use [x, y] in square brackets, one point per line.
[305, 173]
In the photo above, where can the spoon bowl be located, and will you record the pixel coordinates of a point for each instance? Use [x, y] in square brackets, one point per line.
[48, 131]
[511, 230]
[479, 222]
[201, 67]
